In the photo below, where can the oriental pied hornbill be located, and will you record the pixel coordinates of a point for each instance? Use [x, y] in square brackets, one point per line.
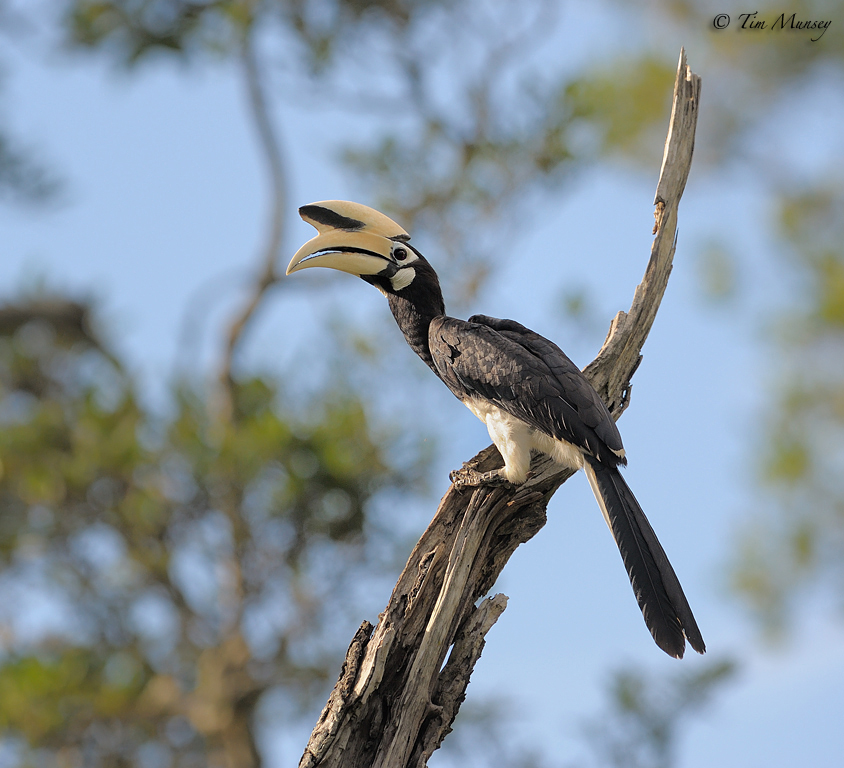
[522, 386]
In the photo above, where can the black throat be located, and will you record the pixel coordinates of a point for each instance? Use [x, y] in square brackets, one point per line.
[415, 306]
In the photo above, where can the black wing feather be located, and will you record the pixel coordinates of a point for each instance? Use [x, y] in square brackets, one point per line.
[527, 376]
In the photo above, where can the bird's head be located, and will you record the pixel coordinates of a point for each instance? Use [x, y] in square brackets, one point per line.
[357, 239]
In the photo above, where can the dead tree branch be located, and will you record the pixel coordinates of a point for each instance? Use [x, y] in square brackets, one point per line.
[394, 702]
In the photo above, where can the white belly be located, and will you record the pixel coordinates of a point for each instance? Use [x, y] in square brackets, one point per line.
[515, 439]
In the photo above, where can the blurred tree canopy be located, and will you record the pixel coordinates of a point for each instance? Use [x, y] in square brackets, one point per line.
[451, 155]
[803, 542]
[191, 564]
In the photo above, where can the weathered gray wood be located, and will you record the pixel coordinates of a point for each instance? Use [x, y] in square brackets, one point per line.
[394, 702]
[613, 368]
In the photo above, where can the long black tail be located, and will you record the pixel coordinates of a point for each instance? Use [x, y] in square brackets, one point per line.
[656, 586]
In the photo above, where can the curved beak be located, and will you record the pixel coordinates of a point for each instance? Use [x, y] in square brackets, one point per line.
[358, 253]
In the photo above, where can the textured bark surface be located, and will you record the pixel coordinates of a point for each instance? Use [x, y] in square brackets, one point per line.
[394, 702]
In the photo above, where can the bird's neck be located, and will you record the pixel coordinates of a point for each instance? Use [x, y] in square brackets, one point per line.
[414, 308]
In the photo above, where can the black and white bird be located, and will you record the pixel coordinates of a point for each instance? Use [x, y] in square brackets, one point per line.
[520, 384]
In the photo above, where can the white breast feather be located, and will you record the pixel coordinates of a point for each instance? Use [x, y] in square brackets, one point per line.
[515, 439]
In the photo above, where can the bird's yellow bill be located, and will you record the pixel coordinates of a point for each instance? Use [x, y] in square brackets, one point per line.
[358, 253]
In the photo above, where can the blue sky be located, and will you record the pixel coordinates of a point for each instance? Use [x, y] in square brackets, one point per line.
[164, 209]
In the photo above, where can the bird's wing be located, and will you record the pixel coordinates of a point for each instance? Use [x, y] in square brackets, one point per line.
[525, 375]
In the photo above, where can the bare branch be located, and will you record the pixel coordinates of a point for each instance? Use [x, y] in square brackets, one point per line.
[395, 702]
[611, 372]
[268, 276]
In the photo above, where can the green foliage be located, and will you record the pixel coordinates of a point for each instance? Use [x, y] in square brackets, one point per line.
[136, 28]
[788, 459]
[718, 272]
[45, 698]
[23, 179]
[622, 104]
[167, 543]
[803, 540]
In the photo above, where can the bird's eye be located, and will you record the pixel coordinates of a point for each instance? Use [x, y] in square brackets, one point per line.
[400, 254]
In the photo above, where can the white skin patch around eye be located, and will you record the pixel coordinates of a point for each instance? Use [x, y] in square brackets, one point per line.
[402, 254]
[402, 278]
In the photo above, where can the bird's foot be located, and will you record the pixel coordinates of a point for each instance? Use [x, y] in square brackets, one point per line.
[469, 477]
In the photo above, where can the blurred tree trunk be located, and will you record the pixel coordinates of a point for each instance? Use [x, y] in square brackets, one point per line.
[395, 701]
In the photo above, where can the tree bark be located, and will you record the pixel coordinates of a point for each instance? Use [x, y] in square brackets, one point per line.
[395, 701]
